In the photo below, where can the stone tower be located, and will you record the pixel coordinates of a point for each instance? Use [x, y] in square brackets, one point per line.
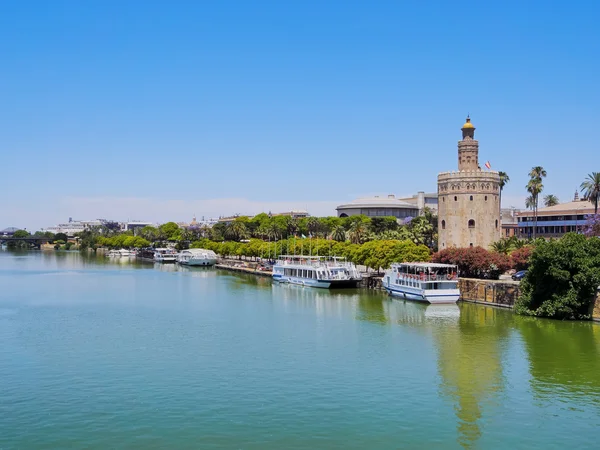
[468, 208]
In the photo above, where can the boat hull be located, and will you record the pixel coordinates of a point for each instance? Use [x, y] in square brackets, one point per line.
[310, 282]
[199, 262]
[442, 296]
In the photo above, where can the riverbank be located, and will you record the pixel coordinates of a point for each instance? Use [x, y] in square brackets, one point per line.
[501, 293]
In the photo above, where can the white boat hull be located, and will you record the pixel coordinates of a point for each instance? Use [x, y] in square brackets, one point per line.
[199, 262]
[421, 295]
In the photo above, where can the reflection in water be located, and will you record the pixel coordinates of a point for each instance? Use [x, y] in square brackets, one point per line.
[562, 354]
[470, 364]
[324, 301]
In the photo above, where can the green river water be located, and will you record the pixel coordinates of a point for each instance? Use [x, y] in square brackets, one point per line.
[103, 354]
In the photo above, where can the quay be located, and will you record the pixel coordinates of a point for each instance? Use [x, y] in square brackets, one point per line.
[500, 293]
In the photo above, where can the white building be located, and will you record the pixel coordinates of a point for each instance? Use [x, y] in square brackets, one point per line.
[389, 206]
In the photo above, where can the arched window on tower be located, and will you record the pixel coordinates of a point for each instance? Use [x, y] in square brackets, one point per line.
[443, 224]
[496, 223]
[471, 223]
[471, 198]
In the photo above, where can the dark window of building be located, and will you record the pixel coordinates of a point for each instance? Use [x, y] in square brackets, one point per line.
[443, 224]
[443, 199]
[496, 223]
[471, 244]
[471, 198]
[455, 198]
[471, 223]
[486, 198]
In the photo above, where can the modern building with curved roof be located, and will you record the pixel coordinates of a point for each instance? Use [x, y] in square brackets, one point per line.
[381, 207]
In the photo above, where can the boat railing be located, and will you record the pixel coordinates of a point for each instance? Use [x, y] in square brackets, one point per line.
[429, 277]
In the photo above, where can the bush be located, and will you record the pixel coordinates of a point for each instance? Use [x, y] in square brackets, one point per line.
[562, 278]
[474, 262]
[519, 258]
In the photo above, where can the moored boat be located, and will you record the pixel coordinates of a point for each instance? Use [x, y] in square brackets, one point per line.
[164, 255]
[421, 281]
[316, 271]
[197, 257]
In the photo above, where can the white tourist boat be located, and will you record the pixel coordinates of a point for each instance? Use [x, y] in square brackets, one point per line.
[197, 257]
[165, 255]
[316, 271]
[425, 282]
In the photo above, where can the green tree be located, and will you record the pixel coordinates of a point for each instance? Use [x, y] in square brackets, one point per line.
[550, 200]
[313, 224]
[535, 187]
[149, 232]
[591, 189]
[562, 278]
[357, 231]
[338, 234]
[21, 234]
[61, 237]
[168, 231]
[236, 231]
[381, 224]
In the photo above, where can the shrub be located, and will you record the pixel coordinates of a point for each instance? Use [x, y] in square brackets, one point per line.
[562, 278]
[519, 258]
[474, 262]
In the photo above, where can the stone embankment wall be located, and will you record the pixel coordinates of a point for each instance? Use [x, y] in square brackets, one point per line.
[494, 292]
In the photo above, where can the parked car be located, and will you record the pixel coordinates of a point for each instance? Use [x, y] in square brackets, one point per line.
[519, 275]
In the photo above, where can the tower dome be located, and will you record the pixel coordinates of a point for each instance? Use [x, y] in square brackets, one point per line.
[468, 124]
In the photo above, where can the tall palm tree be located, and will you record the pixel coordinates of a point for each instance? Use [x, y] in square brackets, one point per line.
[590, 188]
[292, 226]
[313, 225]
[504, 179]
[550, 200]
[357, 232]
[535, 187]
[339, 234]
[236, 230]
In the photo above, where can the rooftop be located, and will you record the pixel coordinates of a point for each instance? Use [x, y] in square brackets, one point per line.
[366, 202]
[579, 207]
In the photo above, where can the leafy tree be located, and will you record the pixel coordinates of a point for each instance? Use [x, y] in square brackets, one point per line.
[535, 187]
[149, 232]
[168, 231]
[313, 225]
[562, 278]
[550, 200]
[381, 224]
[217, 232]
[592, 225]
[292, 225]
[21, 234]
[61, 237]
[591, 189]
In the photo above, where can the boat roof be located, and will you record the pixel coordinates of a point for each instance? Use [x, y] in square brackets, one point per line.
[197, 250]
[424, 264]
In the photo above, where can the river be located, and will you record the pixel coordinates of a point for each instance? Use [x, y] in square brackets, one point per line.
[113, 354]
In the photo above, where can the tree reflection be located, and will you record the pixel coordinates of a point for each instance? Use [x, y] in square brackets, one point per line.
[562, 354]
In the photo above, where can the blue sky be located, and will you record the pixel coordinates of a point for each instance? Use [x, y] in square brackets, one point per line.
[159, 110]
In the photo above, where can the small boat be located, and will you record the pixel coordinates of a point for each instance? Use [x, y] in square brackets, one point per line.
[120, 253]
[421, 281]
[316, 271]
[197, 257]
[164, 255]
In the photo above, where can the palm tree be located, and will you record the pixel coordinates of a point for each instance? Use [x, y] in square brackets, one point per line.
[236, 230]
[529, 203]
[313, 225]
[292, 226]
[550, 200]
[357, 232]
[339, 234]
[535, 187]
[504, 179]
[590, 188]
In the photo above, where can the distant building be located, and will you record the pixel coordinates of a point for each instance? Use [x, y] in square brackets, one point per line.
[75, 226]
[135, 225]
[509, 221]
[8, 231]
[468, 205]
[297, 214]
[389, 206]
[555, 221]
